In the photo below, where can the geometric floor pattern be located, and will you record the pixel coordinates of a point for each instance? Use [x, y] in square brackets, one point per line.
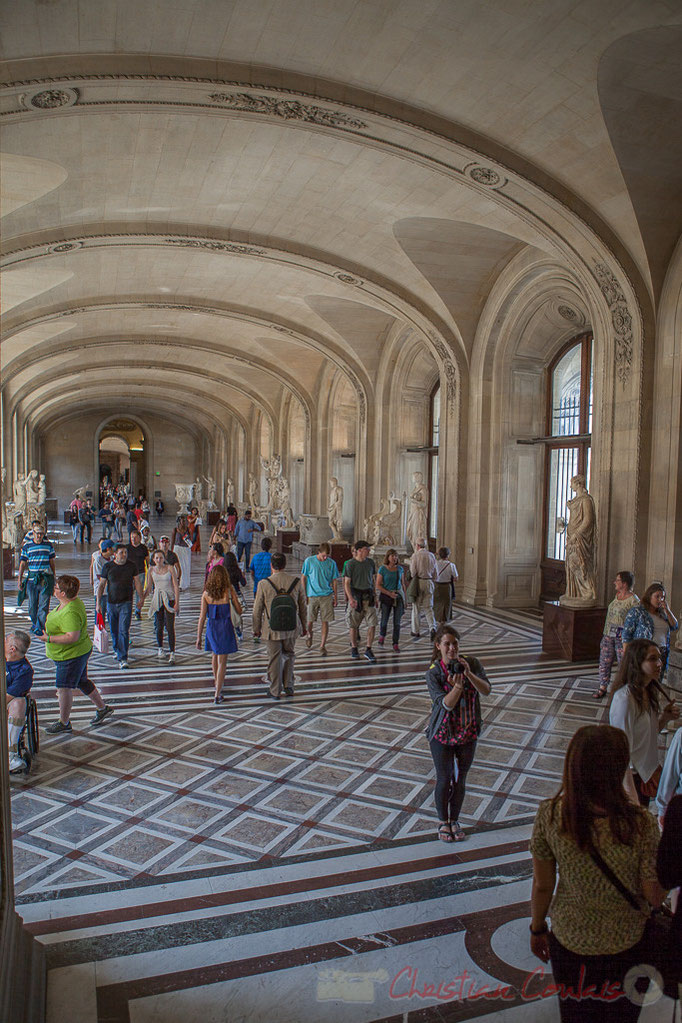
[267, 859]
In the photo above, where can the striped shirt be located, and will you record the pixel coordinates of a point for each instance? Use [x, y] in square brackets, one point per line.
[38, 555]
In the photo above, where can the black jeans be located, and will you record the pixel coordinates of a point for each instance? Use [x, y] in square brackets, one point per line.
[598, 971]
[449, 794]
[86, 527]
[397, 610]
[163, 617]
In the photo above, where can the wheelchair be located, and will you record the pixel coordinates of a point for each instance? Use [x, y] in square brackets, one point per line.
[28, 743]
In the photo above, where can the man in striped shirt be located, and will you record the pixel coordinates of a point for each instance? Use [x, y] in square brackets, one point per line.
[37, 562]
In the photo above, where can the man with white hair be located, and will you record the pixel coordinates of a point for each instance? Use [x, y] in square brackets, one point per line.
[423, 567]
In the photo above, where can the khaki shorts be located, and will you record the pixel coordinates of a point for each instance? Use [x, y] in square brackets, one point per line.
[322, 607]
[367, 613]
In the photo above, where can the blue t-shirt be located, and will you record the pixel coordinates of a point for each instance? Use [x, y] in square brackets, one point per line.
[18, 677]
[261, 566]
[319, 575]
[245, 530]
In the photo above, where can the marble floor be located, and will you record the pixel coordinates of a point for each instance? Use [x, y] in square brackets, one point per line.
[270, 859]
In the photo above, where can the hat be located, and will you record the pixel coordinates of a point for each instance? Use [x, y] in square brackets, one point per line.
[106, 545]
[164, 537]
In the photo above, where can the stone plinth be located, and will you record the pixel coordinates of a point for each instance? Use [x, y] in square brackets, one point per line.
[314, 529]
[258, 538]
[285, 539]
[52, 509]
[378, 554]
[674, 676]
[572, 633]
[7, 563]
[212, 517]
[302, 550]
[340, 552]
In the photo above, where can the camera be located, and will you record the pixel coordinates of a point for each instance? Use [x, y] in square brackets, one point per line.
[455, 668]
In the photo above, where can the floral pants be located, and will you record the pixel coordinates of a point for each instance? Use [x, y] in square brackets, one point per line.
[610, 650]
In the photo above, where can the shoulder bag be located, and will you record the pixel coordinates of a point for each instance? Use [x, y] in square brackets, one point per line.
[657, 940]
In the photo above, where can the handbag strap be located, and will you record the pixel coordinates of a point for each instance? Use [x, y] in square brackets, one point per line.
[616, 881]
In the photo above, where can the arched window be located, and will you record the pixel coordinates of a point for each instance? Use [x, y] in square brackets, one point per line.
[434, 432]
[569, 438]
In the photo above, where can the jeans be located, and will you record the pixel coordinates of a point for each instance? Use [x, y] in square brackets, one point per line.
[449, 794]
[38, 604]
[397, 611]
[86, 526]
[74, 529]
[163, 617]
[119, 616]
[107, 528]
[245, 549]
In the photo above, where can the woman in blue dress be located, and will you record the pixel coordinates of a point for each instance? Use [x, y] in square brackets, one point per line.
[216, 600]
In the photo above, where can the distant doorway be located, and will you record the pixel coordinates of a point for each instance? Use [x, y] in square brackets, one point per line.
[122, 456]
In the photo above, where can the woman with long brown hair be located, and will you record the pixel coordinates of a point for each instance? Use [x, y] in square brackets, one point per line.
[216, 600]
[636, 709]
[455, 683]
[596, 934]
[651, 619]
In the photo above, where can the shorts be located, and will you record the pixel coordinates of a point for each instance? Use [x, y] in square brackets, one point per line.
[367, 612]
[322, 606]
[73, 674]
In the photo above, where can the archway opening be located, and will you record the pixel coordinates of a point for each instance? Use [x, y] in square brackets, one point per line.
[122, 456]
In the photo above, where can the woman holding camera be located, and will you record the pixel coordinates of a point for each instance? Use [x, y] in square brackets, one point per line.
[455, 684]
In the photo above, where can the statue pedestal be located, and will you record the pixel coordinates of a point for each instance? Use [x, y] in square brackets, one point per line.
[7, 563]
[285, 539]
[302, 550]
[314, 529]
[212, 517]
[52, 509]
[673, 678]
[378, 554]
[340, 552]
[572, 633]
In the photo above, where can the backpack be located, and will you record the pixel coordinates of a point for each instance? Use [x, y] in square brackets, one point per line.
[283, 610]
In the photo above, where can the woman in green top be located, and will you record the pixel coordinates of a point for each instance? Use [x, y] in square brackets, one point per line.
[68, 644]
[596, 935]
[390, 585]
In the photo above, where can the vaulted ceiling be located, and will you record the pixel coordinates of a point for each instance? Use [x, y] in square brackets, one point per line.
[218, 200]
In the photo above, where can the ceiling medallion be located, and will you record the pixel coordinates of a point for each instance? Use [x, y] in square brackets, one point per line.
[568, 313]
[485, 176]
[288, 109]
[52, 99]
[66, 247]
[349, 279]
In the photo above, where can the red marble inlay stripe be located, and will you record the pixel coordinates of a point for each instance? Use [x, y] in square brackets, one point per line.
[306, 884]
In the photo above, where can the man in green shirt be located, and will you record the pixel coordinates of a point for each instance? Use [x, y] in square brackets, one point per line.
[358, 583]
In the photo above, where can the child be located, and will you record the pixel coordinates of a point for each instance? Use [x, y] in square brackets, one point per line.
[18, 681]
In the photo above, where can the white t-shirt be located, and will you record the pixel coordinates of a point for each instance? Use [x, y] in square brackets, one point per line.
[660, 631]
[641, 729]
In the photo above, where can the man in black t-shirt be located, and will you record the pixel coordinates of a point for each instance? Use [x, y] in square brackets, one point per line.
[120, 577]
[138, 553]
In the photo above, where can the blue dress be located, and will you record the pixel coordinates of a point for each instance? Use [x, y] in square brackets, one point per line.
[220, 637]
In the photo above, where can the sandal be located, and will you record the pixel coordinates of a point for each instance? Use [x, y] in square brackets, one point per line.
[458, 833]
[445, 832]
[600, 693]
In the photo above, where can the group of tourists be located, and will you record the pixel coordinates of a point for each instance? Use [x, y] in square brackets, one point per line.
[599, 861]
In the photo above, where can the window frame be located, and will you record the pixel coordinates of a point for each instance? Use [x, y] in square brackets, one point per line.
[582, 441]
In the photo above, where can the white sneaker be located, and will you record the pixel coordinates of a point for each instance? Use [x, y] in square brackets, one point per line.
[159, 652]
[16, 763]
[171, 658]
[123, 664]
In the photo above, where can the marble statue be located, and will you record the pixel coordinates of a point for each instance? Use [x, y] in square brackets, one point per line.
[581, 589]
[198, 489]
[211, 491]
[184, 492]
[419, 503]
[285, 503]
[273, 471]
[42, 490]
[384, 527]
[335, 510]
[229, 490]
[19, 491]
[31, 484]
[7, 520]
[81, 492]
[252, 492]
[35, 506]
